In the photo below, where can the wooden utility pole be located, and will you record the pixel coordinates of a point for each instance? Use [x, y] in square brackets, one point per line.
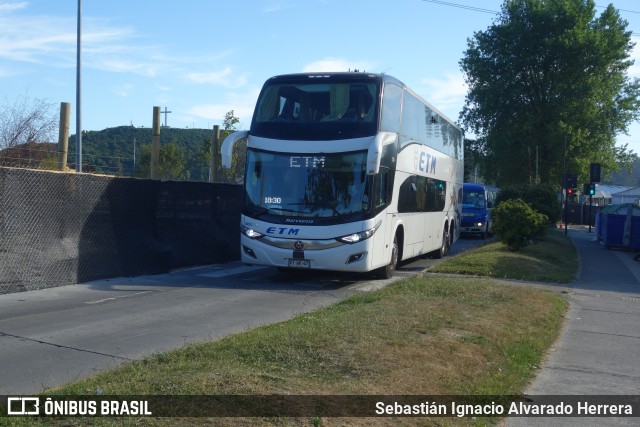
[213, 162]
[63, 135]
[155, 143]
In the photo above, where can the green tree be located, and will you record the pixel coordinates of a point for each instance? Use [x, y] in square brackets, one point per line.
[235, 174]
[230, 121]
[171, 165]
[546, 72]
[516, 224]
[474, 161]
[542, 198]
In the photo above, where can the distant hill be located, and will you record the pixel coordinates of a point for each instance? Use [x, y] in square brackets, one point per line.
[112, 150]
[625, 178]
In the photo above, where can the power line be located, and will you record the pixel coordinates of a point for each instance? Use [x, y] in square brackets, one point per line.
[462, 6]
[479, 9]
[621, 10]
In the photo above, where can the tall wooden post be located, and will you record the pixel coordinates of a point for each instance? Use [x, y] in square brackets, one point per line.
[213, 162]
[155, 143]
[63, 135]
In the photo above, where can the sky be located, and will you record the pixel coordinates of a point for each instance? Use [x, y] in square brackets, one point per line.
[200, 59]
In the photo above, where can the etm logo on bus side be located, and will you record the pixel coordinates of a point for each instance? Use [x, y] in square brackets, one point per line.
[426, 163]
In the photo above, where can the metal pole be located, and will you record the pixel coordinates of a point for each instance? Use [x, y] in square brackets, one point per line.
[78, 93]
[590, 204]
[155, 143]
[564, 174]
[213, 164]
[134, 156]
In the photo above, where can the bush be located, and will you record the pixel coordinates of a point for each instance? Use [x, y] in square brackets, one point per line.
[542, 198]
[516, 224]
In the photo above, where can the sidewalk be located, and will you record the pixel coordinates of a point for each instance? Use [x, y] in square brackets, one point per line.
[598, 352]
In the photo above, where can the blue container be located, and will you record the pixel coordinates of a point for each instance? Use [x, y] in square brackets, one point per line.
[612, 229]
[612, 226]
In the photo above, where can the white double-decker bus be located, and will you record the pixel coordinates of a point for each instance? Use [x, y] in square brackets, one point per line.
[347, 172]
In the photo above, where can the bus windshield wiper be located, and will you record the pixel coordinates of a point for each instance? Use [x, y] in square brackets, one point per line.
[284, 210]
[322, 205]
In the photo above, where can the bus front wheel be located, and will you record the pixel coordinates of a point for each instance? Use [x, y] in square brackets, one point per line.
[388, 270]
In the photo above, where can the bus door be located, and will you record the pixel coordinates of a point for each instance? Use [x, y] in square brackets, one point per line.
[411, 201]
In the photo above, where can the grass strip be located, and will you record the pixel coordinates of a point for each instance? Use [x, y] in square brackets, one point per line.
[553, 259]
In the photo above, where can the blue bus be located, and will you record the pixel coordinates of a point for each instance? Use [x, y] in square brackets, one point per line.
[477, 202]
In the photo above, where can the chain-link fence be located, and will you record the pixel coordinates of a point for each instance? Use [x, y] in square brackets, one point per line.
[64, 228]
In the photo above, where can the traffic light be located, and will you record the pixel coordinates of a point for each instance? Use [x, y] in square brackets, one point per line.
[569, 180]
[570, 192]
[594, 172]
[592, 189]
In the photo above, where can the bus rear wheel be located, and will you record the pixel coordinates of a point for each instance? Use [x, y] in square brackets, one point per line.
[389, 270]
[444, 247]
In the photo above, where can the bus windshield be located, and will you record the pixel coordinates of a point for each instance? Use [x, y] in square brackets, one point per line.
[307, 185]
[473, 199]
[317, 109]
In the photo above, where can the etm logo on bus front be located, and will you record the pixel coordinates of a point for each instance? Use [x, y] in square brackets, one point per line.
[282, 231]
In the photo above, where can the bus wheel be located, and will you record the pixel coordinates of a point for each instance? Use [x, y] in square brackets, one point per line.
[444, 247]
[388, 270]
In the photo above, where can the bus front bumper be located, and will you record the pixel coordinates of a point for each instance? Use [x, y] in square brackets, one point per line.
[338, 257]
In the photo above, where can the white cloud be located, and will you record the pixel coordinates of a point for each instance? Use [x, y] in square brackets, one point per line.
[242, 105]
[124, 65]
[51, 40]
[446, 94]
[10, 7]
[225, 77]
[337, 65]
[124, 90]
[275, 6]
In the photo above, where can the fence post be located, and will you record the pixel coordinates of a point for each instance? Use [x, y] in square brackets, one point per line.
[155, 143]
[213, 162]
[63, 135]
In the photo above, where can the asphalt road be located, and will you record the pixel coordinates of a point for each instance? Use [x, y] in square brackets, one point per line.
[53, 336]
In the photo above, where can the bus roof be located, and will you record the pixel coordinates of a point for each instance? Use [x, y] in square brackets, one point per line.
[478, 186]
[357, 75]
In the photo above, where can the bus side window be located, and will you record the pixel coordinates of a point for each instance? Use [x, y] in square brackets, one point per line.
[381, 189]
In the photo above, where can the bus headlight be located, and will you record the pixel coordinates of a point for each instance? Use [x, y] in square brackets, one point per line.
[362, 235]
[250, 233]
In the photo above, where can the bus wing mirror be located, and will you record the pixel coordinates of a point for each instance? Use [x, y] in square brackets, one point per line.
[375, 151]
[226, 151]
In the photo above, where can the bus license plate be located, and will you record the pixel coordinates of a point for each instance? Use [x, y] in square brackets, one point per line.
[299, 263]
